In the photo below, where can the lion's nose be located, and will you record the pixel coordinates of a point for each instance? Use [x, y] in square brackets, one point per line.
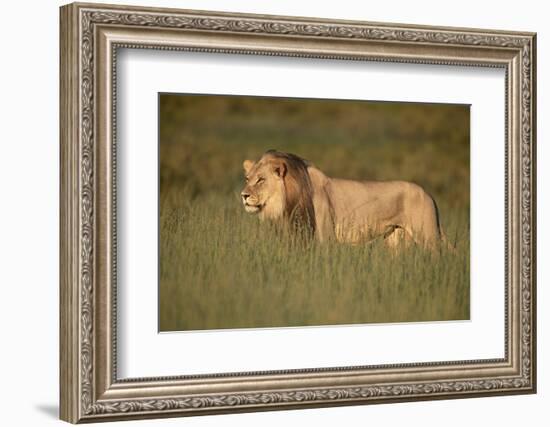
[245, 195]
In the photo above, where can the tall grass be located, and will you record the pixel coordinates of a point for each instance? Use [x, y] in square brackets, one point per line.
[221, 268]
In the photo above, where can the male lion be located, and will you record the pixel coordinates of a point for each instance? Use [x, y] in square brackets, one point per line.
[284, 187]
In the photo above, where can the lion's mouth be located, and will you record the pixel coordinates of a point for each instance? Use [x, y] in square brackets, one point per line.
[252, 208]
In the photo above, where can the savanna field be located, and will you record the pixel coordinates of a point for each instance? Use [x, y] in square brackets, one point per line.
[221, 268]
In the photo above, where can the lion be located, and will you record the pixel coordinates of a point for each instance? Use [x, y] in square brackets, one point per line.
[283, 187]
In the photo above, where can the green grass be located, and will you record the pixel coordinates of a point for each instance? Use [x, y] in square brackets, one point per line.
[221, 268]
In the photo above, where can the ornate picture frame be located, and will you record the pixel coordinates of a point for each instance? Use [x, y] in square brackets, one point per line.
[90, 37]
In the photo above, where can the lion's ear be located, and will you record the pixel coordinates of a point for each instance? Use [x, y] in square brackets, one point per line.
[279, 168]
[247, 165]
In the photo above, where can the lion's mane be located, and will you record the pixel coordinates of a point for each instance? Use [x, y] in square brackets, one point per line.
[298, 203]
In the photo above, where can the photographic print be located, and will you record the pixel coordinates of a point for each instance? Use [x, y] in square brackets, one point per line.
[286, 212]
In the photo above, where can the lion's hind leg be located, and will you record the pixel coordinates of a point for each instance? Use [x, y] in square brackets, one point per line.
[396, 237]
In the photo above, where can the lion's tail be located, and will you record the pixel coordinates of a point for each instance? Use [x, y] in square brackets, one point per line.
[446, 241]
[442, 234]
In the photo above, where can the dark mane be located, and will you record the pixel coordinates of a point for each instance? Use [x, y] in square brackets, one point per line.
[299, 190]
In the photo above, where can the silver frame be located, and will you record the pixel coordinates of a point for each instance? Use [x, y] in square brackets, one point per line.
[90, 37]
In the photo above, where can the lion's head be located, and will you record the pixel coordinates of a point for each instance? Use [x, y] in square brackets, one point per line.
[277, 187]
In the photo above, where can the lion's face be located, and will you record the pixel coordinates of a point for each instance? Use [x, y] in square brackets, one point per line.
[264, 192]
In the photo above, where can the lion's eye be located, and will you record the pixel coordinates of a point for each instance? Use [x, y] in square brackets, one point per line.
[260, 180]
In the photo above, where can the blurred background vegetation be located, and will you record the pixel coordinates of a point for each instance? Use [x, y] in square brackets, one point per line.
[203, 142]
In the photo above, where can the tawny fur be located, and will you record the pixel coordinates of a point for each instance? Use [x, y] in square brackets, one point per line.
[284, 187]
